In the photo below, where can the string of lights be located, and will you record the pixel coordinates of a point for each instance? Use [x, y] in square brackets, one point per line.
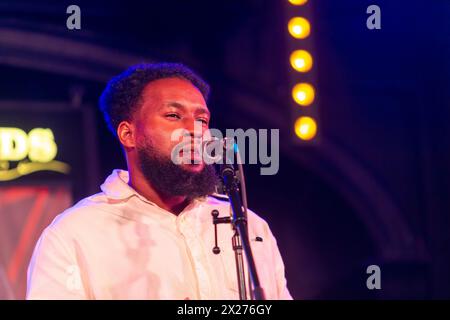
[304, 98]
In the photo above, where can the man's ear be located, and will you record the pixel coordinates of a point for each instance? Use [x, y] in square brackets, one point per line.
[126, 132]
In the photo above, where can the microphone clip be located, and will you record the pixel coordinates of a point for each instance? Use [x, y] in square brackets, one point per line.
[218, 220]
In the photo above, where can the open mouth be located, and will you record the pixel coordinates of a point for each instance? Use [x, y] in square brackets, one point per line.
[192, 156]
[189, 152]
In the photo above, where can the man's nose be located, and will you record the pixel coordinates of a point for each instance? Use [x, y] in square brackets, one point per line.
[195, 128]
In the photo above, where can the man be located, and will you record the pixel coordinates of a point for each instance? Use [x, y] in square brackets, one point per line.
[149, 233]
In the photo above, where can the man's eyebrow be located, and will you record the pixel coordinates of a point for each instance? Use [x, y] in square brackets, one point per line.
[199, 109]
[174, 104]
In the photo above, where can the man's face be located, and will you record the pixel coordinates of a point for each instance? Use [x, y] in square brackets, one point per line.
[169, 105]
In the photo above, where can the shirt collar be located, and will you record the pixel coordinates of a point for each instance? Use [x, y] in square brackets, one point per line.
[116, 187]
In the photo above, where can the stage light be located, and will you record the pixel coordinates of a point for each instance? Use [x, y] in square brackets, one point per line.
[301, 60]
[305, 128]
[298, 2]
[299, 27]
[303, 94]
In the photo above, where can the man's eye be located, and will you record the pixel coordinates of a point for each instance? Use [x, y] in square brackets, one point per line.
[173, 115]
[204, 121]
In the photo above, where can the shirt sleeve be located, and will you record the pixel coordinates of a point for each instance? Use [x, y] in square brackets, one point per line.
[53, 272]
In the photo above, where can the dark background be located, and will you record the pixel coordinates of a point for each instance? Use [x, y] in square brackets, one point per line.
[373, 190]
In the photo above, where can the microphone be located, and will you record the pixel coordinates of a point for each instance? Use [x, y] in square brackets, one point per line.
[218, 151]
[212, 151]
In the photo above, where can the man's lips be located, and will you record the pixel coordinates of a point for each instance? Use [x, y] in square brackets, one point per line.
[191, 152]
[193, 155]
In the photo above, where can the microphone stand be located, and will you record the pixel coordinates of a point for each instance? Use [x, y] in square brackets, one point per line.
[237, 247]
[241, 238]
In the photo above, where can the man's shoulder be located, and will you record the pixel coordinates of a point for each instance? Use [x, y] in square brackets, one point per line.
[84, 211]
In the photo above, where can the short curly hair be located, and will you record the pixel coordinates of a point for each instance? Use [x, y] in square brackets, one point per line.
[123, 93]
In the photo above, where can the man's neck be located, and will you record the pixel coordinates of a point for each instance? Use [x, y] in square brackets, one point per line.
[173, 204]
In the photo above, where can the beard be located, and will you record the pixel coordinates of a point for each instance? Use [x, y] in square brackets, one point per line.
[171, 179]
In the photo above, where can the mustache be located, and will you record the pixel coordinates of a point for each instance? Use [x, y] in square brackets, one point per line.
[172, 179]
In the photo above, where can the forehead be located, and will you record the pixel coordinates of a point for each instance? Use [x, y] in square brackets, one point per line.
[161, 91]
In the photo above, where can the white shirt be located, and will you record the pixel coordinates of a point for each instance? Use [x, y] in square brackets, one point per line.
[118, 245]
